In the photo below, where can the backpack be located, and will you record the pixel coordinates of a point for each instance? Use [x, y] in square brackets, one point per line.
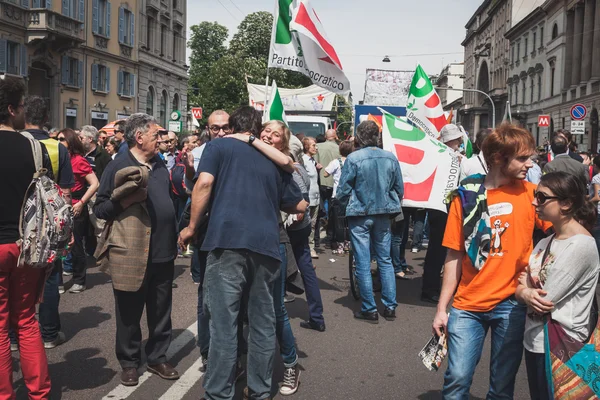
[46, 220]
[178, 188]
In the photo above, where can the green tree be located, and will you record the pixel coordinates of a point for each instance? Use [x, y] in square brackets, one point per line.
[253, 37]
[345, 118]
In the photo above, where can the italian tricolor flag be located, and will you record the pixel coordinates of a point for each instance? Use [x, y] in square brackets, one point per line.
[274, 110]
[424, 107]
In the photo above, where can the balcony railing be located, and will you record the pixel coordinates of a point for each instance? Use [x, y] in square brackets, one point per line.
[40, 21]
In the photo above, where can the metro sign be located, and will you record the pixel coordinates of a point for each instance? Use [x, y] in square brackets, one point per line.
[197, 112]
[544, 121]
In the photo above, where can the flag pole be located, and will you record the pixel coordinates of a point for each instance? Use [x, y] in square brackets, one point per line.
[273, 31]
[266, 93]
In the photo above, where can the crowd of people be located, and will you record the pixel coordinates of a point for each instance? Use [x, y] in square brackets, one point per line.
[254, 204]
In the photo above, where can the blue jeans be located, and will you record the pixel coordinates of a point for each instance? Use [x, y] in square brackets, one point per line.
[229, 273]
[68, 263]
[398, 251]
[418, 218]
[373, 229]
[285, 336]
[199, 258]
[466, 334]
[197, 274]
[49, 316]
[301, 248]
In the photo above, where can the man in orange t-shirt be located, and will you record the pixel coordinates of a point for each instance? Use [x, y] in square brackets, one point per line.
[482, 274]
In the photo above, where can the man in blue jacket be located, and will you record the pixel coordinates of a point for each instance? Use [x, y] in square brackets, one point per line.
[371, 189]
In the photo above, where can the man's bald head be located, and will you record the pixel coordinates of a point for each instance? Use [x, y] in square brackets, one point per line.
[331, 134]
[217, 120]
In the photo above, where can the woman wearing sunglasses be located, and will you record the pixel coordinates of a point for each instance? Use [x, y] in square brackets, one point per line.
[563, 271]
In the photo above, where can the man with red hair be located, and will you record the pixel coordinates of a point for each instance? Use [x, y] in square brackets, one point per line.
[489, 236]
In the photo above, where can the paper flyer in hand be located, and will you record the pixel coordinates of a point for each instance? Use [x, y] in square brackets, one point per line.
[434, 352]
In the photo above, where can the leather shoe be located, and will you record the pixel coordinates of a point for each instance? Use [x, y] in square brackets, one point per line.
[129, 377]
[370, 317]
[389, 314]
[430, 299]
[312, 325]
[164, 370]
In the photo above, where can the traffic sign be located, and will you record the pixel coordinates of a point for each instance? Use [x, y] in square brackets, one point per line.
[578, 112]
[543, 121]
[197, 112]
[578, 127]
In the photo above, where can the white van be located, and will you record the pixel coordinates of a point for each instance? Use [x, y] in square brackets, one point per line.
[309, 125]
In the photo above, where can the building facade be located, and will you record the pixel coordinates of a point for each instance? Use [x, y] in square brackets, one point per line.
[80, 55]
[163, 79]
[555, 63]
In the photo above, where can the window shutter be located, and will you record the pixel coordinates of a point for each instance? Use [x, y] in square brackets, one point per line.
[108, 19]
[121, 24]
[25, 3]
[132, 32]
[3, 52]
[94, 76]
[23, 60]
[37, 3]
[107, 79]
[120, 83]
[95, 16]
[65, 8]
[131, 85]
[82, 10]
[64, 74]
[80, 74]
[49, 4]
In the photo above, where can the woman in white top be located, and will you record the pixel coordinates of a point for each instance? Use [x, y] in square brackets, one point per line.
[313, 168]
[562, 274]
[338, 243]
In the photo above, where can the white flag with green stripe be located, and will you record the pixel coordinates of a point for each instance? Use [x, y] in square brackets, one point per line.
[274, 110]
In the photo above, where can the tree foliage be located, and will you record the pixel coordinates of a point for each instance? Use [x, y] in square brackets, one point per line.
[218, 73]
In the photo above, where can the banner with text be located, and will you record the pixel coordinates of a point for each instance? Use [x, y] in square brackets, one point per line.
[429, 168]
[312, 98]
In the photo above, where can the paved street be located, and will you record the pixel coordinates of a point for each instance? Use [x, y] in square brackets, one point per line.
[351, 360]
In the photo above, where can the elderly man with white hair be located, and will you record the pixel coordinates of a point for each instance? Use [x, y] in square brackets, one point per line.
[96, 155]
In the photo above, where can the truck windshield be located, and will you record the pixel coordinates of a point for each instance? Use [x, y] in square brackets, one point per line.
[312, 129]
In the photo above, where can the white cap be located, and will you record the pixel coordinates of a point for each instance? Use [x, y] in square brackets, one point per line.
[450, 132]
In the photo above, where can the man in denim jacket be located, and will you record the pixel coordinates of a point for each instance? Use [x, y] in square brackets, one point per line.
[371, 190]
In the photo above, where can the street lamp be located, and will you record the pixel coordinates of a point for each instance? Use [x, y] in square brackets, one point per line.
[475, 91]
[386, 59]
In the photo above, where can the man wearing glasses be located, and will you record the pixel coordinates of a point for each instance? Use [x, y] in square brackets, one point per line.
[120, 137]
[218, 126]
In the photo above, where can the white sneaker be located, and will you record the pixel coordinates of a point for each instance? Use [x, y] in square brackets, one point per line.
[61, 289]
[313, 253]
[291, 381]
[77, 288]
[414, 250]
[60, 339]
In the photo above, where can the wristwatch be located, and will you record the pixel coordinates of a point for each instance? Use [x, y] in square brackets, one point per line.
[251, 139]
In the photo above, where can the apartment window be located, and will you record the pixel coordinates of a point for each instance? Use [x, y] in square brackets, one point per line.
[552, 73]
[516, 93]
[150, 102]
[554, 31]
[74, 9]
[523, 93]
[539, 87]
[72, 72]
[541, 36]
[149, 34]
[126, 27]
[532, 90]
[126, 84]
[175, 102]
[526, 47]
[175, 4]
[100, 78]
[163, 40]
[13, 58]
[41, 4]
[175, 45]
[534, 40]
[163, 108]
[512, 54]
[101, 17]
[518, 50]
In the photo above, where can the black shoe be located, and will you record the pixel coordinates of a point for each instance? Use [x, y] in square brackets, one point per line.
[389, 314]
[370, 317]
[129, 377]
[312, 325]
[430, 299]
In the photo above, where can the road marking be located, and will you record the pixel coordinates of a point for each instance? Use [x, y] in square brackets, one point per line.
[123, 392]
[185, 382]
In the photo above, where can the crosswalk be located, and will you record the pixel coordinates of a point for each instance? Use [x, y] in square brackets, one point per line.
[180, 387]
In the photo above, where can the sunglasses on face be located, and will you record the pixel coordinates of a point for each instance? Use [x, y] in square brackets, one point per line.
[541, 197]
[119, 131]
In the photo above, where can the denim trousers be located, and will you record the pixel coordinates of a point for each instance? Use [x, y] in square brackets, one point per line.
[398, 252]
[301, 249]
[199, 259]
[48, 312]
[285, 336]
[375, 230]
[229, 273]
[197, 275]
[418, 218]
[466, 334]
[536, 375]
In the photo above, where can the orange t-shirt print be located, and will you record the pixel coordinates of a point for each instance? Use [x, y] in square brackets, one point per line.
[512, 219]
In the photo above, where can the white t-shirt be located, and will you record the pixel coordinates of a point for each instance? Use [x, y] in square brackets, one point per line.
[472, 166]
[335, 169]
[571, 271]
[595, 180]
[313, 194]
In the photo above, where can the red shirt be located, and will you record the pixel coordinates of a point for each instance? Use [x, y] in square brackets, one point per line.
[81, 169]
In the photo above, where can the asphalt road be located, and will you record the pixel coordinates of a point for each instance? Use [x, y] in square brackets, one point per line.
[351, 360]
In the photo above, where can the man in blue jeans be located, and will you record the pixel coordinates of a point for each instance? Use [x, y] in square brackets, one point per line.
[245, 191]
[489, 236]
[371, 190]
